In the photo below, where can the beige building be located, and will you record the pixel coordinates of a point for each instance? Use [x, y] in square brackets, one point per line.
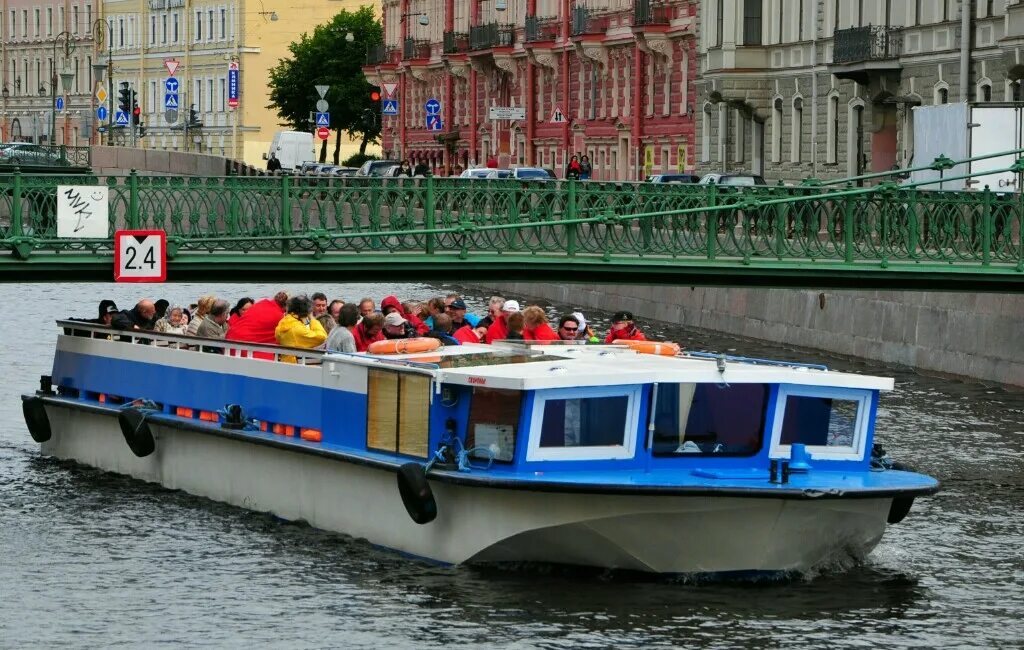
[825, 88]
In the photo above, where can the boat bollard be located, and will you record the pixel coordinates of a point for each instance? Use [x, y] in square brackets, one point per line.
[773, 471]
[798, 458]
[785, 472]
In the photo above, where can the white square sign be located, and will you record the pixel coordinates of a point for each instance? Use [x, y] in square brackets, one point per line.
[140, 256]
[82, 212]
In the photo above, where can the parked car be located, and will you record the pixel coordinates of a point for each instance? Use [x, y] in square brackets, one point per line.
[673, 178]
[293, 149]
[477, 172]
[532, 174]
[345, 171]
[25, 153]
[376, 167]
[733, 180]
[499, 174]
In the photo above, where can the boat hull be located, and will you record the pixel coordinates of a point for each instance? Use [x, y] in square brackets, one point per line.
[667, 534]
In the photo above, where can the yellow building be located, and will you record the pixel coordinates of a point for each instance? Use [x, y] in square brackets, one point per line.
[203, 38]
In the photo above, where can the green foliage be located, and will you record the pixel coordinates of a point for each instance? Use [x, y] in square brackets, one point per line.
[326, 57]
[357, 159]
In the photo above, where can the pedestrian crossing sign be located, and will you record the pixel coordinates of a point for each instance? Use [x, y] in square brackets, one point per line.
[121, 118]
[323, 119]
[389, 107]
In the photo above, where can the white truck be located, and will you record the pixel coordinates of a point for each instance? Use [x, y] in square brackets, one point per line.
[292, 148]
[961, 131]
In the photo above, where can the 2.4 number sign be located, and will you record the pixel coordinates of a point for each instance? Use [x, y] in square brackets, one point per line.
[140, 256]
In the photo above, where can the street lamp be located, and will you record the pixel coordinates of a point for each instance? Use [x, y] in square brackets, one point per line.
[6, 95]
[67, 45]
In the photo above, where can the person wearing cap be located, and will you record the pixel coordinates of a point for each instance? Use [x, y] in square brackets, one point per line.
[498, 329]
[392, 303]
[397, 326]
[457, 311]
[107, 310]
[623, 328]
[585, 333]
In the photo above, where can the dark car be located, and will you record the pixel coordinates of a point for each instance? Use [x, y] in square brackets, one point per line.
[377, 167]
[24, 153]
[674, 178]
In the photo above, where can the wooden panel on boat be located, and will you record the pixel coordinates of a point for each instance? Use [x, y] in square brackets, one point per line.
[382, 411]
[414, 415]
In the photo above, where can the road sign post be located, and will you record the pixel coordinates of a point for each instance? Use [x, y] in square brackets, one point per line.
[140, 256]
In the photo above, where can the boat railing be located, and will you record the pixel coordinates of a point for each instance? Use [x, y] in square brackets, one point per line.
[714, 356]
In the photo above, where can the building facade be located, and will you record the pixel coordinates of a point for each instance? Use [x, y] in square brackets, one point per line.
[826, 88]
[41, 40]
[612, 80]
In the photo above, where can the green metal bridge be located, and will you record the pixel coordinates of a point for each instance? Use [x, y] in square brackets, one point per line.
[353, 229]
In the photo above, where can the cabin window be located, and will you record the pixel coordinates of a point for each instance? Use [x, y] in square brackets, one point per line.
[832, 422]
[710, 419]
[398, 412]
[493, 422]
[599, 425]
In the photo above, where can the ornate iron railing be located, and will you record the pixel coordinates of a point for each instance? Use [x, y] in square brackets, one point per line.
[584, 21]
[485, 37]
[871, 43]
[379, 54]
[634, 223]
[414, 48]
[455, 42]
[651, 12]
[540, 29]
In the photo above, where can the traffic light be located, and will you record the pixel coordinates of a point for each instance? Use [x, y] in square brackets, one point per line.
[136, 110]
[124, 96]
[369, 119]
[374, 94]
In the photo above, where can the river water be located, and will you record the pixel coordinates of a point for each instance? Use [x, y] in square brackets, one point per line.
[90, 559]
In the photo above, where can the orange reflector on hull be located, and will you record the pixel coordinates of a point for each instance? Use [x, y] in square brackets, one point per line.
[183, 412]
[313, 435]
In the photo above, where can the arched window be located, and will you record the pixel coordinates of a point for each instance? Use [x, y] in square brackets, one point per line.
[777, 130]
[832, 145]
[941, 93]
[985, 91]
[796, 138]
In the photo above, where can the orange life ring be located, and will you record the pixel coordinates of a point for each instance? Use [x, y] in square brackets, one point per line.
[404, 346]
[661, 348]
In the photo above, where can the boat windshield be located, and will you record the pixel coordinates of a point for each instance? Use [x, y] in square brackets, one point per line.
[710, 419]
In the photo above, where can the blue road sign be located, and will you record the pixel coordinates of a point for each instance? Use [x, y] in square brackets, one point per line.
[433, 106]
[59, 104]
[389, 107]
[101, 113]
[323, 119]
[433, 122]
[171, 100]
[121, 118]
[171, 85]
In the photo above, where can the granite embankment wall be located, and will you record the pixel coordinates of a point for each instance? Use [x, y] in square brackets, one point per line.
[978, 335]
[121, 160]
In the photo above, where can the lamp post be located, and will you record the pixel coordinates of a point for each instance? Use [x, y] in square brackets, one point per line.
[67, 46]
[6, 94]
[99, 37]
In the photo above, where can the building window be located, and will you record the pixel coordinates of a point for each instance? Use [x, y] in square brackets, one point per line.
[720, 22]
[1015, 91]
[777, 130]
[985, 92]
[174, 27]
[199, 26]
[223, 23]
[942, 96]
[120, 32]
[163, 29]
[832, 146]
[37, 22]
[49, 21]
[752, 22]
[74, 19]
[739, 154]
[796, 139]
[152, 30]
[222, 94]
[209, 25]
[88, 15]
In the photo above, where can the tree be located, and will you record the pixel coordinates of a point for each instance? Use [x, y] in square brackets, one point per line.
[327, 57]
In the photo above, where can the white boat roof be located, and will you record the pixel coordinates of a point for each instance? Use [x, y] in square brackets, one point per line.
[530, 367]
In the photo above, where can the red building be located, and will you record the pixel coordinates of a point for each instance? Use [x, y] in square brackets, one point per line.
[614, 83]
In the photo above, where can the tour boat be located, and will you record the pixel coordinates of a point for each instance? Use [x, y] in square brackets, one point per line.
[594, 455]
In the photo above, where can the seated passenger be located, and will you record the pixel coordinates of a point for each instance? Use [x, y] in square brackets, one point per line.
[515, 323]
[586, 333]
[368, 331]
[442, 330]
[391, 303]
[435, 306]
[494, 307]
[568, 328]
[341, 338]
[239, 309]
[535, 325]
[397, 327]
[457, 312]
[467, 334]
[367, 307]
[623, 328]
[202, 309]
[161, 309]
[173, 322]
[214, 325]
[139, 317]
[498, 328]
[298, 328]
[259, 322]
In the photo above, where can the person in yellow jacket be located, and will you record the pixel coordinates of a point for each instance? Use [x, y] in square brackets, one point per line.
[298, 329]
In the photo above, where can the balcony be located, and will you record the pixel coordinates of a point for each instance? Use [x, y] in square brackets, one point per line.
[415, 49]
[651, 12]
[863, 53]
[456, 42]
[379, 55]
[585, 22]
[491, 35]
[541, 29]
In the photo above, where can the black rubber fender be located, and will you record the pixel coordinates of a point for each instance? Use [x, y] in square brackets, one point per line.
[416, 494]
[899, 509]
[136, 432]
[36, 420]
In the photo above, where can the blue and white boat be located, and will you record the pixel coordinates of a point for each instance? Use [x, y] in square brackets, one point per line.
[582, 455]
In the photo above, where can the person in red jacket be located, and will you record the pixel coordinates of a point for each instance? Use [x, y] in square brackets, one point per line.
[498, 329]
[535, 327]
[258, 323]
[623, 327]
[368, 330]
[391, 303]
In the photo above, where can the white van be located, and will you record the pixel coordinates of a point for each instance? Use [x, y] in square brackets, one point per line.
[292, 148]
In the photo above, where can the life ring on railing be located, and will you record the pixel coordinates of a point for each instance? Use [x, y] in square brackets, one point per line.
[417, 497]
[660, 348]
[36, 420]
[404, 346]
[136, 432]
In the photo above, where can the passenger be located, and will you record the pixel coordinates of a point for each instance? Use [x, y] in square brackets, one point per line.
[319, 304]
[259, 323]
[442, 330]
[623, 328]
[391, 303]
[535, 325]
[139, 317]
[298, 328]
[215, 324]
[515, 322]
[367, 307]
[161, 309]
[334, 309]
[341, 338]
[368, 331]
[469, 334]
[173, 322]
[457, 312]
[240, 308]
[106, 313]
[450, 298]
[494, 306]
[397, 327]
[498, 328]
[202, 309]
[435, 306]
[568, 328]
[585, 333]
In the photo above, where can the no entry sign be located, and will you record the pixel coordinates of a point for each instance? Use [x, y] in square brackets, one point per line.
[323, 133]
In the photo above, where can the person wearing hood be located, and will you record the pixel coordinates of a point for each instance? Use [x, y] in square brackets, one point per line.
[298, 329]
[173, 321]
[535, 325]
[623, 328]
[391, 303]
[498, 330]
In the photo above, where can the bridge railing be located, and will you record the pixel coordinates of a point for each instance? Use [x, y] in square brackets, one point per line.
[464, 217]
